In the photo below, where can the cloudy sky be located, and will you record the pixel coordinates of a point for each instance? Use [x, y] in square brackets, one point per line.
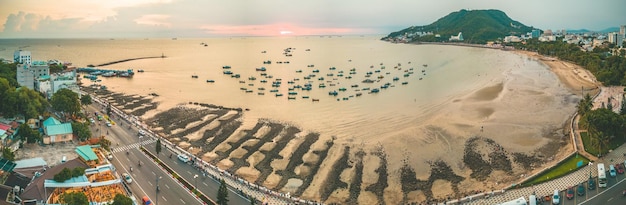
[208, 18]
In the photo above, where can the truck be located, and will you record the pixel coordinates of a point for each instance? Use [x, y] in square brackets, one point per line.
[601, 175]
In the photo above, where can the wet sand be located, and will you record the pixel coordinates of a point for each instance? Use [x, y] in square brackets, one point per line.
[486, 138]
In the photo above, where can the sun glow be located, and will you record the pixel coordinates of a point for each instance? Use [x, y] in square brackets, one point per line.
[285, 32]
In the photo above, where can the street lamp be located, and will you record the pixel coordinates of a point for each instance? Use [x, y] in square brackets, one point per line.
[157, 189]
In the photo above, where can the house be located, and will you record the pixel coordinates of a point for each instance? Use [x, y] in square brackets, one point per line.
[55, 131]
[36, 192]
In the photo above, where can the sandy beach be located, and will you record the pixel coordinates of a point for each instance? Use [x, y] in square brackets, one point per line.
[488, 137]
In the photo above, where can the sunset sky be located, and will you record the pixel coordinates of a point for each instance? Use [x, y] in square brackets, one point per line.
[208, 18]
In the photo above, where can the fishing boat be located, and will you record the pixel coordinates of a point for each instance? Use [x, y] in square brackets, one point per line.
[291, 98]
[235, 76]
[404, 83]
[292, 93]
[332, 68]
[333, 93]
[305, 97]
[226, 67]
[263, 81]
[396, 78]
[252, 78]
[261, 88]
[249, 91]
[227, 72]
[194, 76]
[267, 62]
[322, 85]
[210, 81]
[315, 100]
[261, 69]
[342, 89]
[375, 90]
[354, 86]
[316, 71]
[359, 94]
[273, 91]
[278, 94]
[260, 93]
[140, 70]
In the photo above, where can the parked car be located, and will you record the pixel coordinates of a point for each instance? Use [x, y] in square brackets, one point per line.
[92, 121]
[108, 124]
[556, 199]
[127, 178]
[620, 168]
[570, 193]
[612, 171]
[591, 184]
[184, 158]
[141, 132]
[581, 189]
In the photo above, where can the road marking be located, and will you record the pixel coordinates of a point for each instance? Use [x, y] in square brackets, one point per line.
[183, 201]
[153, 173]
[189, 173]
[150, 183]
[167, 186]
[609, 199]
[205, 184]
[164, 198]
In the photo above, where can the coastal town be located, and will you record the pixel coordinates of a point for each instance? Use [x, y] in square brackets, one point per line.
[88, 134]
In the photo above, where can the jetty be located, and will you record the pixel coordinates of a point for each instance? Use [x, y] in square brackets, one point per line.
[129, 59]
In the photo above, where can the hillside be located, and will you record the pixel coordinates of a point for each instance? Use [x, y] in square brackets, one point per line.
[478, 26]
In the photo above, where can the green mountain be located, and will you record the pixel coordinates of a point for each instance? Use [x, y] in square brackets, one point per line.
[477, 26]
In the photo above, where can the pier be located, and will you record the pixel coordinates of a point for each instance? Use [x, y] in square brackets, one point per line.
[129, 59]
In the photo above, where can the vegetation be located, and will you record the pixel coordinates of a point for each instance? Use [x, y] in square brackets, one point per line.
[66, 174]
[29, 135]
[8, 154]
[565, 167]
[121, 199]
[8, 71]
[222, 193]
[478, 26]
[86, 100]
[158, 146]
[81, 130]
[603, 127]
[74, 198]
[608, 69]
[56, 68]
[22, 101]
[66, 101]
[105, 144]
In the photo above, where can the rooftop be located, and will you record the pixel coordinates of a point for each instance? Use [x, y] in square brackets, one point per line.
[86, 153]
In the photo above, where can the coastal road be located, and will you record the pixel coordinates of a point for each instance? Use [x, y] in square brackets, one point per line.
[123, 137]
[611, 195]
[207, 185]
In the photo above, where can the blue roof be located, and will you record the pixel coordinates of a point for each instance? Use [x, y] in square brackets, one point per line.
[51, 121]
[86, 153]
[65, 128]
[32, 162]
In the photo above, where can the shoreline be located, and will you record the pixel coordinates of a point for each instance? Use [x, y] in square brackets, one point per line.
[316, 160]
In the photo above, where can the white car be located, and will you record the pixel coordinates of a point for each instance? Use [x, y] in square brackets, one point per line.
[141, 132]
[127, 178]
[92, 121]
[183, 158]
[108, 124]
[556, 199]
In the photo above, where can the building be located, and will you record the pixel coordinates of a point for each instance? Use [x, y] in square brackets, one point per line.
[622, 30]
[458, 37]
[512, 39]
[616, 38]
[535, 33]
[27, 73]
[55, 131]
[48, 85]
[22, 57]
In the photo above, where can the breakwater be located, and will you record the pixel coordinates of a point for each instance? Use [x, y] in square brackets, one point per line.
[130, 59]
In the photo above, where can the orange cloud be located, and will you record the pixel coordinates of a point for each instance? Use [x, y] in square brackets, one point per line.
[274, 29]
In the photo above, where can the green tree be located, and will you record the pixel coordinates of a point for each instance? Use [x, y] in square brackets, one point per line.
[8, 99]
[81, 130]
[583, 107]
[8, 71]
[56, 68]
[222, 193]
[622, 110]
[8, 154]
[78, 171]
[63, 175]
[604, 125]
[158, 146]
[30, 103]
[105, 144]
[121, 199]
[28, 134]
[85, 100]
[66, 101]
[74, 198]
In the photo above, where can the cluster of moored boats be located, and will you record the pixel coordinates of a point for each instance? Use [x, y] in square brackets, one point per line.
[375, 80]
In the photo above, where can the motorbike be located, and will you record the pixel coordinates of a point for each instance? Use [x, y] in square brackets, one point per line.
[131, 169]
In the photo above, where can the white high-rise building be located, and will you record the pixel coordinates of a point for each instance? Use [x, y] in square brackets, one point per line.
[22, 57]
[622, 30]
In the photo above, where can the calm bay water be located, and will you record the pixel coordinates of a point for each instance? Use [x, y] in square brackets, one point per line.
[451, 73]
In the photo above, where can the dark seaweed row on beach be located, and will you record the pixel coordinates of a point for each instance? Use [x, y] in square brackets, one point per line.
[314, 167]
[130, 102]
[177, 118]
[295, 160]
[235, 145]
[196, 128]
[219, 135]
[275, 129]
[354, 189]
[333, 178]
[409, 182]
[474, 160]
[264, 165]
[216, 106]
[526, 161]
[381, 184]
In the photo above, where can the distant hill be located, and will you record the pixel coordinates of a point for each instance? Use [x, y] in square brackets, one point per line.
[609, 30]
[477, 26]
[606, 30]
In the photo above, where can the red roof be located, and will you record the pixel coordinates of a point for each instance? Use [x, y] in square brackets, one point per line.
[4, 127]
